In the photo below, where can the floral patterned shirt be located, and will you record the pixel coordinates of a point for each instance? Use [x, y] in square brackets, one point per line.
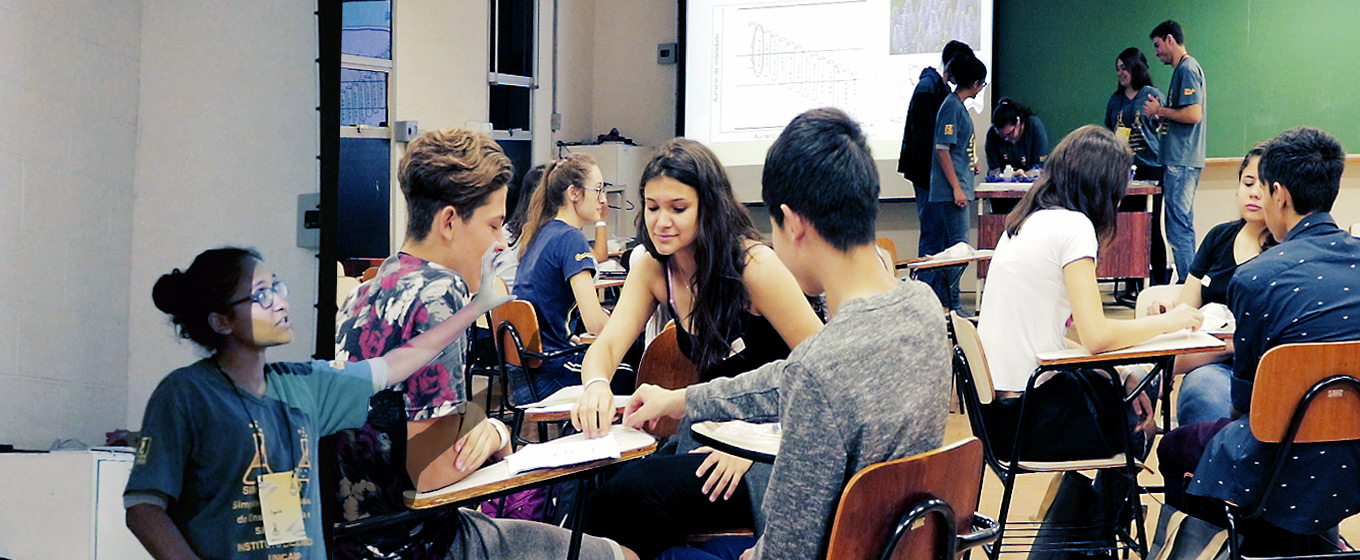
[407, 297]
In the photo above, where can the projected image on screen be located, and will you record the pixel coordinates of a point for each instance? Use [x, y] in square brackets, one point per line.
[751, 66]
[924, 26]
[784, 58]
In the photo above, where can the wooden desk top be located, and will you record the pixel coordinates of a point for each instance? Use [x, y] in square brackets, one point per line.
[758, 442]
[1017, 190]
[935, 262]
[495, 479]
[1160, 346]
[605, 282]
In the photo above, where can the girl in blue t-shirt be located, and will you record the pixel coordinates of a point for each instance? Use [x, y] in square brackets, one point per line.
[557, 266]
[232, 430]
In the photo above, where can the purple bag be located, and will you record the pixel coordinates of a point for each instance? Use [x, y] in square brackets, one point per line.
[529, 505]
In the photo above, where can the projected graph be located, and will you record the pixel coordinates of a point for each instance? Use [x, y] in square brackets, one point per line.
[772, 62]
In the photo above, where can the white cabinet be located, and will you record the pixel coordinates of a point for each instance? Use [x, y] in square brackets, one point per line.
[66, 504]
[621, 165]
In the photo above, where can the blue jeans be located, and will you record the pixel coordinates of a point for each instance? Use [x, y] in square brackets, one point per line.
[717, 548]
[931, 228]
[1178, 195]
[956, 225]
[1206, 394]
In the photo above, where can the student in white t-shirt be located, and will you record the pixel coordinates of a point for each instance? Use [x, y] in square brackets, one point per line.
[1041, 293]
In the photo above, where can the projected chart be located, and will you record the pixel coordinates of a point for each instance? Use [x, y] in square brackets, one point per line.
[752, 65]
[774, 61]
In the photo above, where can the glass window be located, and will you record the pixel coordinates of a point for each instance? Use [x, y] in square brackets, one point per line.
[510, 107]
[363, 97]
[367, 29]
[514, 40]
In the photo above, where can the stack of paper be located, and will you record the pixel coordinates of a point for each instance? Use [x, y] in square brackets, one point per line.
[561, 453]
[564, 399]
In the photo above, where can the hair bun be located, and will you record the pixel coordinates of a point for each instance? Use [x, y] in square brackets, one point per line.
[168, 293]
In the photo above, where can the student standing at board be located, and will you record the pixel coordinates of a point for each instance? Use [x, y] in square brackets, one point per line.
[918, 151]
[1017, 140]
[955, 166]
[1124, 114]
[1125, 110]
[1182, 149]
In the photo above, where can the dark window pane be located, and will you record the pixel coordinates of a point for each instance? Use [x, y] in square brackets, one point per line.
[365, 166]
[514, 38]
[509, 107]
[367, 29]
[363, 97]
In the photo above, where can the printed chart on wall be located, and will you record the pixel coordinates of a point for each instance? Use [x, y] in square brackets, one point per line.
[753, 66]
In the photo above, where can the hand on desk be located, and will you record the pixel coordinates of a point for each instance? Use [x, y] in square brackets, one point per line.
[1183, 316]
[478, 445]
[726, 475]
[649, 403]
[594, 412]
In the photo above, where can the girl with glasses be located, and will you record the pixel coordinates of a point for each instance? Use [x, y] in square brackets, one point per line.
[226, 434]
[557, 268]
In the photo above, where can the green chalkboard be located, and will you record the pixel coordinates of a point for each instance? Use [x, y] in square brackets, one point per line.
[1269, 65]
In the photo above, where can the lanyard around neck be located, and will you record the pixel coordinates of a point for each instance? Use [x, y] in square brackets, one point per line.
[255, 426]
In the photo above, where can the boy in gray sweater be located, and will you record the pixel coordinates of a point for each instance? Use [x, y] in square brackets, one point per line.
[872, 386]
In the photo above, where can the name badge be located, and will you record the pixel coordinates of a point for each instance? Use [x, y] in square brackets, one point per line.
[1205, 281]
[281, 508]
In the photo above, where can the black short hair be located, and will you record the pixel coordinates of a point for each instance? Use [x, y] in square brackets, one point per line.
[1309, 163]
[966, 69]
[1168, 27]
[954, 48]
[820, 166]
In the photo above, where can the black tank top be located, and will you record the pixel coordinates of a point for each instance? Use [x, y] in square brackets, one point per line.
[754, 341]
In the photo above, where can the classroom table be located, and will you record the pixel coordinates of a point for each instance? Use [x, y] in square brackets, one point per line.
[928, 263]
[1160, 351]
[495, 480]
[1126, 257]
[757, 442]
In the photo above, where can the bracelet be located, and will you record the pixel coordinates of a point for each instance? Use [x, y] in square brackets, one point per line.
[502, 431]
[593, 380]
[600, 224]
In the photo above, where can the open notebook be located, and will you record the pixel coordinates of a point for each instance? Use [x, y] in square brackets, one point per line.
[570, 450]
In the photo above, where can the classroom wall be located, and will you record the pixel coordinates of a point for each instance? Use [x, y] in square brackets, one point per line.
[575, 69]
[227, 140]
[632, 91]
[438, 77]
[69, 83]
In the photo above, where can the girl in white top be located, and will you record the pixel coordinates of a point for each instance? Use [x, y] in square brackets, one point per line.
[1041, 293]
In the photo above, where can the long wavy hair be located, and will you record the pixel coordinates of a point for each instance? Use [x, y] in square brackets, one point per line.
[722, 229]
[1088, 172]
[558, 176]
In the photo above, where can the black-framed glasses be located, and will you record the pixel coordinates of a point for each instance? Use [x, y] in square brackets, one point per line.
[266, 296]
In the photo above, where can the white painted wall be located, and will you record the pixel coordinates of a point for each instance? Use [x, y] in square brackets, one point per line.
[575, 69]
[227, 140]
[631, 91]
[439, 71]
[69, 83]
